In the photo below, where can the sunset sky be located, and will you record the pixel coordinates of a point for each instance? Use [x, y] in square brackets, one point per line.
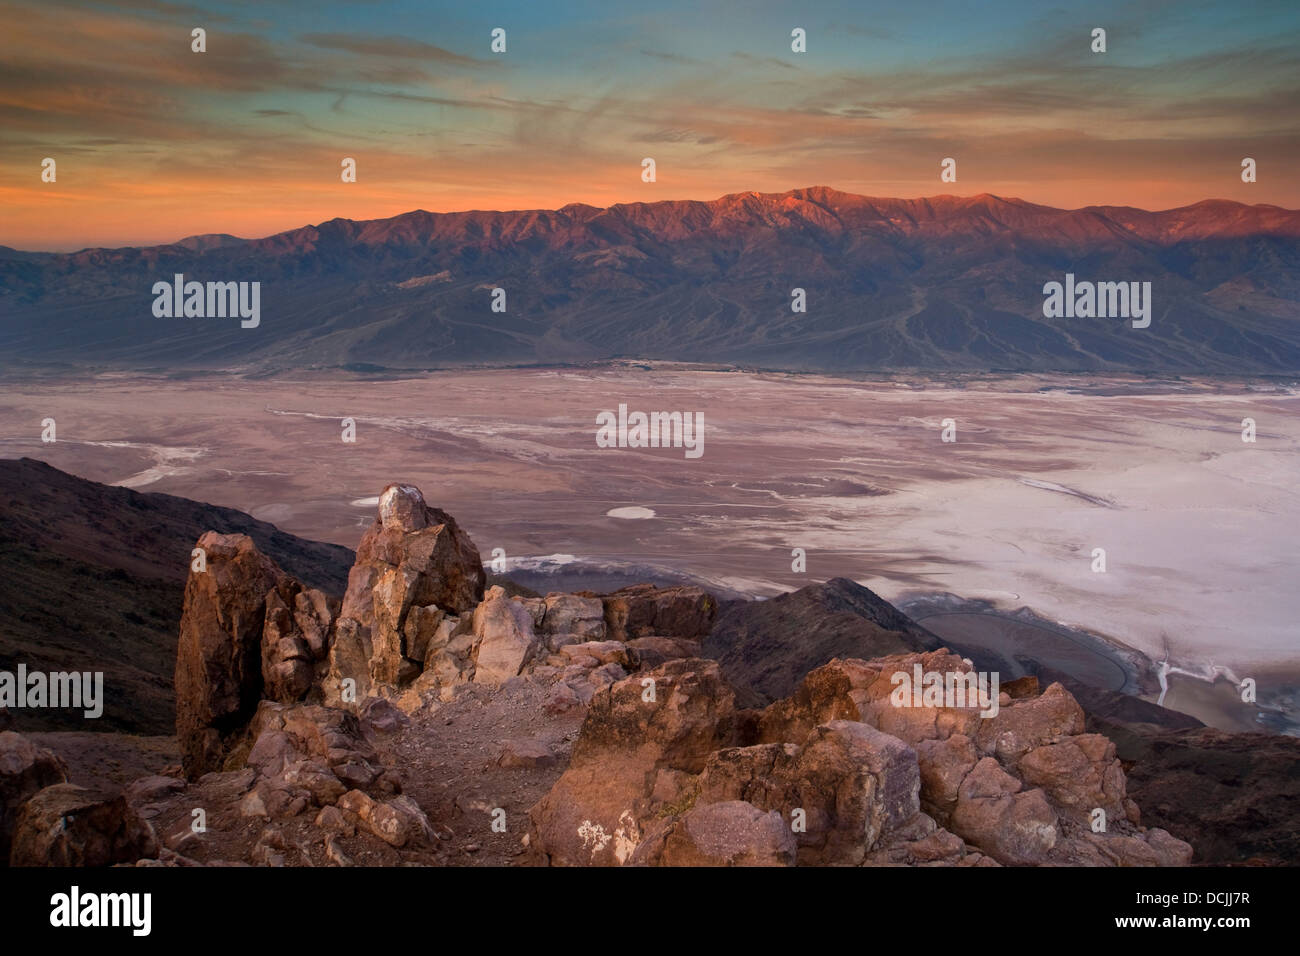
[154, 142]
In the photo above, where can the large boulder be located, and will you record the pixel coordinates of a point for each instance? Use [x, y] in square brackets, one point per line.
[577, 616]
[24, 770]
[295, 741]
[732, 833]
[1080, 774]
[944, 764]
[994, 813]
[219, 655]
[1026, 724]
[67, 825]
[657, 724]
[643, 610]
[503, 629]
[847, 787]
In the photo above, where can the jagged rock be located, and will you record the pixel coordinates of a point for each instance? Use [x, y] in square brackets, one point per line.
[594, 813]
[1079, 774]
[424, 632]
[218, 656]
[451, 654]
[643, 610]
[311, 753]
[572, 615]
[294, 638]
[397, 822]
[24, 769]
[863, 691]
[944, 764]
[347, 678]
[647, 653]
[690, 714]
[733, 833]
[411, 556]
[67, 825]
[506, 640]
[993, 813]
[855, 784]
[1030, 723]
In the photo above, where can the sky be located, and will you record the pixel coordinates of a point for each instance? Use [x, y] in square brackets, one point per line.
[154, 142]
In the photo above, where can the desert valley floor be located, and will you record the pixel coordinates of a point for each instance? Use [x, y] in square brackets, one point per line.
[1198, 526]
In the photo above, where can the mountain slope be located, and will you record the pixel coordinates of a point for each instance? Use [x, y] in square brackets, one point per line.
[941, 283]
[765, 648]
[92, 578]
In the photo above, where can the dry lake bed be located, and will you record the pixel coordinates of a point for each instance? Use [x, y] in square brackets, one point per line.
[1198, 527]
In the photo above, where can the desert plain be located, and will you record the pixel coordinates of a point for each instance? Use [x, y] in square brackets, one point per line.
[1198, 527]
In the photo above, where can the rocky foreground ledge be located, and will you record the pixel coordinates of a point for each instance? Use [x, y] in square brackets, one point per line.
[426, 719]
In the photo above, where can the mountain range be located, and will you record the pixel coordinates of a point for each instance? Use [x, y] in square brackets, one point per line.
[944, 283]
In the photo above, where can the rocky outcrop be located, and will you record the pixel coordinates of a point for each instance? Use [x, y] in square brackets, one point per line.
[644, 610]
[289, 699]
[219, 656]
[412, 557]
[307, 757]
[855, 774]
[639, 742]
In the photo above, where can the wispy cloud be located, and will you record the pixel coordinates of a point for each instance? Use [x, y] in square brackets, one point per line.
[247, 137]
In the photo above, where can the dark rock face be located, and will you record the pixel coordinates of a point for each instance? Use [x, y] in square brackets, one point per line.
[644, 610]
[219, 656]
[1232, 796]
[295, 639]
[766, 647]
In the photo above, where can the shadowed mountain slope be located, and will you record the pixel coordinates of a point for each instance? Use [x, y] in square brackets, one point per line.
[92, 578]
[766, 647]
